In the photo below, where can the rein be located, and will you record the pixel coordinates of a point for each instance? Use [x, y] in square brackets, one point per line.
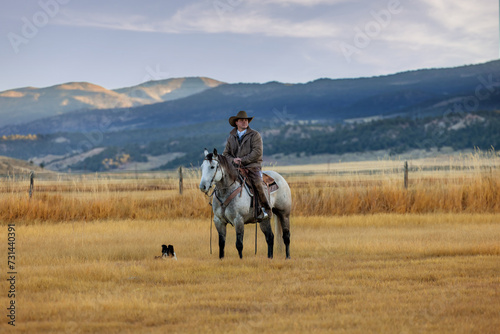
[210, 203]
[223, 204]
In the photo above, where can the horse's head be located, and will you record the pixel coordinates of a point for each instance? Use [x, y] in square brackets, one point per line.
[210, 171]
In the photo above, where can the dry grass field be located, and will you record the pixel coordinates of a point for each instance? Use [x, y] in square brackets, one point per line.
[379, 273]
[368, 256]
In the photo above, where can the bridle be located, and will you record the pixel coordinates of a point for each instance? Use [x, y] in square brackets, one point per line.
[213, 178]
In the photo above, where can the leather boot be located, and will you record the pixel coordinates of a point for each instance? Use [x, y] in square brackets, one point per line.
[266, 208]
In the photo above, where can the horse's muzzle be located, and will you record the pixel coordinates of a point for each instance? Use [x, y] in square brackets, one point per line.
[203, 187]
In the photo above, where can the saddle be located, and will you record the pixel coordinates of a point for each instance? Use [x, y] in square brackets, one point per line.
[268, 182]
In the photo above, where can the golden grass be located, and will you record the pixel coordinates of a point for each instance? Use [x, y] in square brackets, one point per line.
[49, 207]
[474, 195]
[55, 201]
[354, 274]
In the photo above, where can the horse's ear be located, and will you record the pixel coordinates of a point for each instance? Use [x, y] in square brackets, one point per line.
[206, 152]
[215, 152]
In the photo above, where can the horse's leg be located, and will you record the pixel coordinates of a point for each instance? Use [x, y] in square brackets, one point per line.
[240, 231]
[285, 224]
[221, 228]
[265, 227]
[284, 221]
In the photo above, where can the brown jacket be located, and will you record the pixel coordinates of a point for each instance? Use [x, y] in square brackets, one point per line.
[250, 149]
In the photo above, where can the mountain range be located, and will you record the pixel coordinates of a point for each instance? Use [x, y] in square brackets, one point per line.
[78, 125]
[198, 100]
[29, 103]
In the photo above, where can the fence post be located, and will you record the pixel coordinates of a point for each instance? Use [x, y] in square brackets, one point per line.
[32, 182]
[406, 175]
[181, 186]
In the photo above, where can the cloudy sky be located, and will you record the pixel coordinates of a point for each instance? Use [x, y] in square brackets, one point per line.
[119, 43]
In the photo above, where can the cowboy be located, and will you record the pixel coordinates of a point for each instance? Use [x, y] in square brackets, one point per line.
[244, 149]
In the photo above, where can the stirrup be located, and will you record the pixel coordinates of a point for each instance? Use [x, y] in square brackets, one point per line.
[263, 215]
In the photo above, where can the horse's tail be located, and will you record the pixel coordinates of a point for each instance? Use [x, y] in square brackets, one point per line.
[278, 235]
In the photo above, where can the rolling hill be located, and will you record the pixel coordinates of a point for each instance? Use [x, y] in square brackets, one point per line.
[30, 104]
[10, 166]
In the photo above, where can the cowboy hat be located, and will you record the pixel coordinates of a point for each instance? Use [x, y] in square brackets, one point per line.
[241, 114]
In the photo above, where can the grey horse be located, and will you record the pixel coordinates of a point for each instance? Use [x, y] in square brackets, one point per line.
[231, 203]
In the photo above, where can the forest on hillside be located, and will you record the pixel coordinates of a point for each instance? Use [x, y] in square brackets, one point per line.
[396, 135]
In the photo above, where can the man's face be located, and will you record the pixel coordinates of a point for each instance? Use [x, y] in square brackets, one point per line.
[241, 123]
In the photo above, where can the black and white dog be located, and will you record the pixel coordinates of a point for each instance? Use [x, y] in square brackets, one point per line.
[167, 251]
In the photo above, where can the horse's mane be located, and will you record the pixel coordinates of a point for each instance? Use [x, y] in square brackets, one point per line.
[228, 167]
